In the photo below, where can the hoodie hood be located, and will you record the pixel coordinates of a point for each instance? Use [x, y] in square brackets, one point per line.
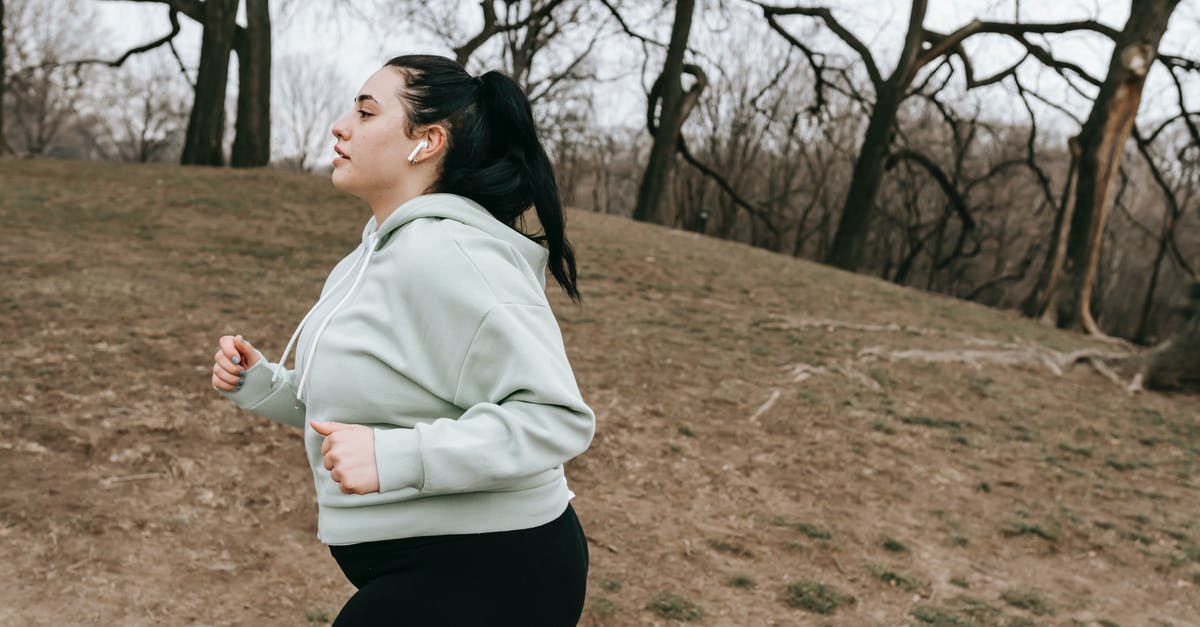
[375, 236]
[459, 209]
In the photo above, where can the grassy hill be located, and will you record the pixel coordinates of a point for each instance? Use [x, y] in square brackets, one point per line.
[773, 440]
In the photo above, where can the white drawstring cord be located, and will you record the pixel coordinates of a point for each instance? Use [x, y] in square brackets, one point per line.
[303, 321]
[312, 350]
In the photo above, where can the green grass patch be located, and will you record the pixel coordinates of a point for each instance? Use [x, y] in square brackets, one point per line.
[1029, 600]
[741, 581]
[731, 548]
[813, 531]
[317, 615]
[1050, 532]
[1117, 464]
[883, 427]
[896, 579]
[674, 607]
[1075, 450]
[602, 607]
[939, 617]
[894, 545]
[818, 598]
[933, 423]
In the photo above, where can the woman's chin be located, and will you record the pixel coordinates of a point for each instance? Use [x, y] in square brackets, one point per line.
[340, 179]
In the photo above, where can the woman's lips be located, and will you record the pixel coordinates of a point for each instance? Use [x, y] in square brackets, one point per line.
[341, 155]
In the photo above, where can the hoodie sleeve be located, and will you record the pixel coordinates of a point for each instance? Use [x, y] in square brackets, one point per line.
[257, 395]
[523, 412]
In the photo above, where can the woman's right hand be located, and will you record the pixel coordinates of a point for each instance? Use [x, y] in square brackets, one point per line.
[231, 361]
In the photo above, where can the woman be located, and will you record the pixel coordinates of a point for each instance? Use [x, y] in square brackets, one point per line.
[431, 381]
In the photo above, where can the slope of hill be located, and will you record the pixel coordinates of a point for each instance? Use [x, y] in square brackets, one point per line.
[775, 439]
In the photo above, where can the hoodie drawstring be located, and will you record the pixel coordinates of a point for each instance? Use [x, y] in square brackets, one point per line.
[369, 244]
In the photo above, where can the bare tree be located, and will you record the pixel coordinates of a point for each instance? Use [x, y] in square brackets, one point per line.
[42, 91]
[143, 113]
[922, 46]
[308, 96]
[667, 99]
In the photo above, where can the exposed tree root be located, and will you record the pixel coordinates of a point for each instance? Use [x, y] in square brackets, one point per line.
[1125, 368]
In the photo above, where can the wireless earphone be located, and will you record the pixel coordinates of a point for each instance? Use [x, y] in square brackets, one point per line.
[412, 157]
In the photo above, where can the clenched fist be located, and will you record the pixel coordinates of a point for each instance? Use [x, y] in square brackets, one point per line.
[349, 453]
[231, 361]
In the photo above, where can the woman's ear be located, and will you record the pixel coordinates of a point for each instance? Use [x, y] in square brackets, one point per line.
[435, 137]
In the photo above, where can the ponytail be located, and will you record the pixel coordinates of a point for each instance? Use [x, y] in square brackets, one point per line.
[493, 154]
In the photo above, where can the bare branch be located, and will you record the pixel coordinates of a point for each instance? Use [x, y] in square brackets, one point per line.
[942, 44]
[831, 22]
[172, 15]
[625, 27]
[491, 27]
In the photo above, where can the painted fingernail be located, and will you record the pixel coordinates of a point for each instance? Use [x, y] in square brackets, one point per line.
[237, 360]
[239, 386]
[242, 380]
[241, 372]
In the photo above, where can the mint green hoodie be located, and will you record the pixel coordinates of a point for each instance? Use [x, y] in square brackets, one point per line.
[435, 332]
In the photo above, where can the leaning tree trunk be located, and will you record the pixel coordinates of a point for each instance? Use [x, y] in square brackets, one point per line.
[1102, 141]
[206, 124]
[1038, 299]
[670, 121]
[252, 139]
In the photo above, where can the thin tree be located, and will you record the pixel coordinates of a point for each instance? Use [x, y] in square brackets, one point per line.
[669, 94]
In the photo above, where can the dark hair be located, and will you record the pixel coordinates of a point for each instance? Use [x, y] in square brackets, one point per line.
[493, 154]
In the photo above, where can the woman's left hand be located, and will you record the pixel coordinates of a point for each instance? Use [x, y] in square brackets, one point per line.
[349, 452]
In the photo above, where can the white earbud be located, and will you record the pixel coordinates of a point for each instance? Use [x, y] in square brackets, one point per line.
[412, 157]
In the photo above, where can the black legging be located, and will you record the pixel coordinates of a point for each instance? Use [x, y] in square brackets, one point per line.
[530, 577]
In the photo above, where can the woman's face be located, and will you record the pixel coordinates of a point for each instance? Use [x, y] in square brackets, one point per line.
[371, 152]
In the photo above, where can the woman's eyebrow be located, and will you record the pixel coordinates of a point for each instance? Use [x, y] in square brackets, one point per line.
[363, 97]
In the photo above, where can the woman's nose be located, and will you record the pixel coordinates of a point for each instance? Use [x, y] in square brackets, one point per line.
[339, 129]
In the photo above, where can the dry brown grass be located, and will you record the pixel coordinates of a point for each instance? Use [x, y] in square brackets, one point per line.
[737, 451]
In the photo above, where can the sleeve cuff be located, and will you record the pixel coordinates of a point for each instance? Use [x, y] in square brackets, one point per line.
[398, 459]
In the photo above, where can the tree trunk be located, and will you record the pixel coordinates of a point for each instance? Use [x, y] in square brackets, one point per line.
[1102, 141]
[850, 239]
[4, 147]
[851, 234]
[206, 124]
[670, 120]
[252, 139]
[1148, 303]
[1038, 300]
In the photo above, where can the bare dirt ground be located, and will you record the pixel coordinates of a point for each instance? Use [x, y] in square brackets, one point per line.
[750, 467]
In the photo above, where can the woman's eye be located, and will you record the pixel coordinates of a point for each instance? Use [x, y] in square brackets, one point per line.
[362, 114]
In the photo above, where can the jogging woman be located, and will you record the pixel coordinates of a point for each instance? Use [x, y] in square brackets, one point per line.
[431, 380]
